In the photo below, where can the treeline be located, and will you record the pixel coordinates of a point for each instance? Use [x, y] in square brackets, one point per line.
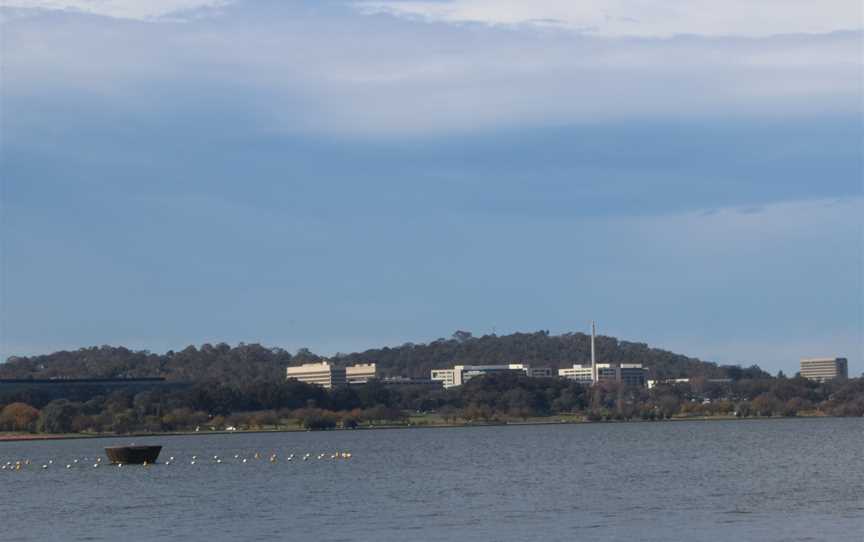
[246, 363]
[490, 398]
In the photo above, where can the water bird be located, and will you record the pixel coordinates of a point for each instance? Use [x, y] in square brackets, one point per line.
[44, 466]
[192, 463]
[68, 466]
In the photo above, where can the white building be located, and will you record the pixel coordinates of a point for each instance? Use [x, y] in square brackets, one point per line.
[322, 374]
[461, 374]
[360, 373]
[629, 374]
[329, 375]
[583, 374]
[824, 369]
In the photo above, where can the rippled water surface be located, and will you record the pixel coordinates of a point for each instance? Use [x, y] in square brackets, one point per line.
[772, 480]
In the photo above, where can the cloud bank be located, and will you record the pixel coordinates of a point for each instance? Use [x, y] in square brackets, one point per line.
[323, 68]
[645, 18]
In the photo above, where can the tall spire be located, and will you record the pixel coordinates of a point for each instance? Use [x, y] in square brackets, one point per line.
[593, 358]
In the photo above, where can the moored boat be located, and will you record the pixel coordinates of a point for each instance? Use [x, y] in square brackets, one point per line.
[133, 454]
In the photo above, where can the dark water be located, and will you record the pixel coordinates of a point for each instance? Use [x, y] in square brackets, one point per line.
[738, 480]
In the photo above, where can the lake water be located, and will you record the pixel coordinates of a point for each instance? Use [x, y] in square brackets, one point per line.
[796, 479]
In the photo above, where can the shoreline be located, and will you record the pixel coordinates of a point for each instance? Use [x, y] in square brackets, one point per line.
[24, 437]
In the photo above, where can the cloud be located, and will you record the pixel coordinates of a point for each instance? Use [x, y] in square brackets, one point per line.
[323, 68]
[645, 18]
[123, 9]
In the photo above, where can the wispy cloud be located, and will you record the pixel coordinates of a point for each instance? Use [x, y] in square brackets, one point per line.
[146, 10]
[654, 18]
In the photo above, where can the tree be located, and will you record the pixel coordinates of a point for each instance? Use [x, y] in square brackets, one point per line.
[57, 416]
[18, 417]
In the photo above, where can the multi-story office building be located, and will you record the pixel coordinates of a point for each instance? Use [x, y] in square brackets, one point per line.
[360, 373]
[823, 369]
[322, 374]
[540, 372]
[329, 375]
[629, 374]
[580, 373]
[461, 374]
[632, 374]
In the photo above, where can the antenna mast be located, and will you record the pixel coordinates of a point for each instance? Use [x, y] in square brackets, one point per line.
[593, 358]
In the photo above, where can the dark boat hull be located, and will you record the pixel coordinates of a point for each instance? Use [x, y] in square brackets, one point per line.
[133, 454]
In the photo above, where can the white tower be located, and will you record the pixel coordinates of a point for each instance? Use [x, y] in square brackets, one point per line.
[594, 375]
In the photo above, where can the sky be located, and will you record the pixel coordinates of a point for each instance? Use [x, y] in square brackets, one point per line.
[341, 175]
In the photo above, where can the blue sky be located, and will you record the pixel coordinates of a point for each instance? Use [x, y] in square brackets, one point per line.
[342, 175]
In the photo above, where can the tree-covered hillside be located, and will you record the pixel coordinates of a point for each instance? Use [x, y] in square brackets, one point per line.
[539, 349]
[246, 363]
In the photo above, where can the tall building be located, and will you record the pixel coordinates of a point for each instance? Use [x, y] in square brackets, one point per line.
[823, 369]
[323, 374]
[329, 376]
[461, 374]
[629, 374]
[360, 373]
[584, 374]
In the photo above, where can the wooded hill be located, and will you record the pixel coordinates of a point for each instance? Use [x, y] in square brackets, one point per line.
[247, 363]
